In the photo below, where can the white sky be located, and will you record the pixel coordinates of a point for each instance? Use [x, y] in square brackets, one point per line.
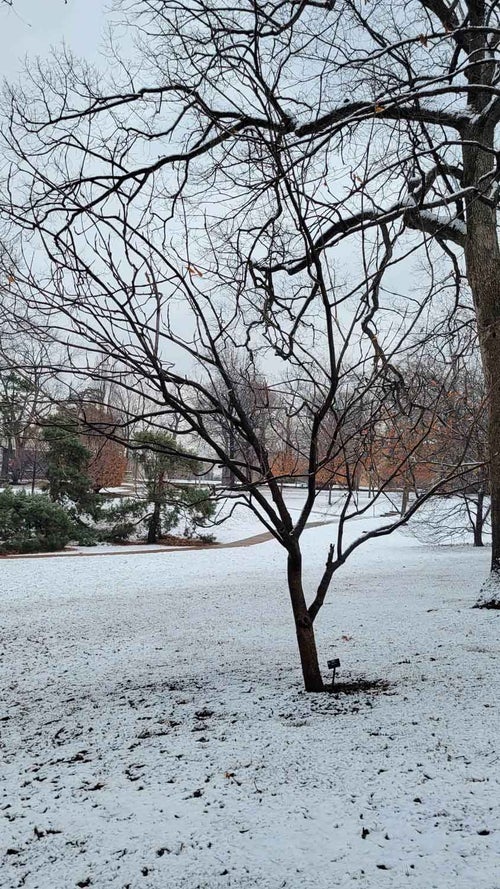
[32, 27]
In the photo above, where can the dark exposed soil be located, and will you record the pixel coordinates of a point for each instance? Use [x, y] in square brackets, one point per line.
[166, 540]
[355, 686]
[172, 540]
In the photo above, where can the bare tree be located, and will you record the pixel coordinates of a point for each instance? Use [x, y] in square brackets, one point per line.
[173, 266]
[26, 395]
[394, 107]
[206, 398]
[254, 394]
[461, 427]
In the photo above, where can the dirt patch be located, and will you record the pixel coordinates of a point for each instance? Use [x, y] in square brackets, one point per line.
[172, 540]
[358, 686]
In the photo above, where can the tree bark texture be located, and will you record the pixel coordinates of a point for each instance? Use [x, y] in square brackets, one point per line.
[482, 257]
[154, 526]
[303, 624]
[479, 520]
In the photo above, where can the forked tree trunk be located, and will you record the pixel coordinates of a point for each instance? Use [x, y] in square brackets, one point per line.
[303, 624]
[482, 256]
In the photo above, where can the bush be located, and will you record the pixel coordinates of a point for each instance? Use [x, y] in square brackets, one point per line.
[30, 524]
[68, 467]
[84, 535]
[119, 521]
[181, 506]
[197, 510]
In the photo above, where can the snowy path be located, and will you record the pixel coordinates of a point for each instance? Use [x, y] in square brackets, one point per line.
[154, 734]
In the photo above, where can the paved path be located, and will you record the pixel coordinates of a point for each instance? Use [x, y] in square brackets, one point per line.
[142, 551]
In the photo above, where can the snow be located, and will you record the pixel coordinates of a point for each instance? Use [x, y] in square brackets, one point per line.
[155, 734]
[447, 520]
[243, 523]
[489, 596]
[456, 224]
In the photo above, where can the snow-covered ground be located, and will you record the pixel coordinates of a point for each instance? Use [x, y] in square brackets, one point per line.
[154, 732]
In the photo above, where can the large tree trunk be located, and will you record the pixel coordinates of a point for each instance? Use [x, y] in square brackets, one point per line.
[482, 256]
[303, 624]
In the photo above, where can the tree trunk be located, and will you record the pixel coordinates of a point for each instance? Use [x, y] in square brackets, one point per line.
[303, 624]
[479, 520]
[4, 472]
[34, 469]
[482, 257]
[154, 526]
[405, 498]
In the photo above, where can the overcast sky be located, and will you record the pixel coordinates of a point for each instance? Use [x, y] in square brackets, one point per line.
[32, 27]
